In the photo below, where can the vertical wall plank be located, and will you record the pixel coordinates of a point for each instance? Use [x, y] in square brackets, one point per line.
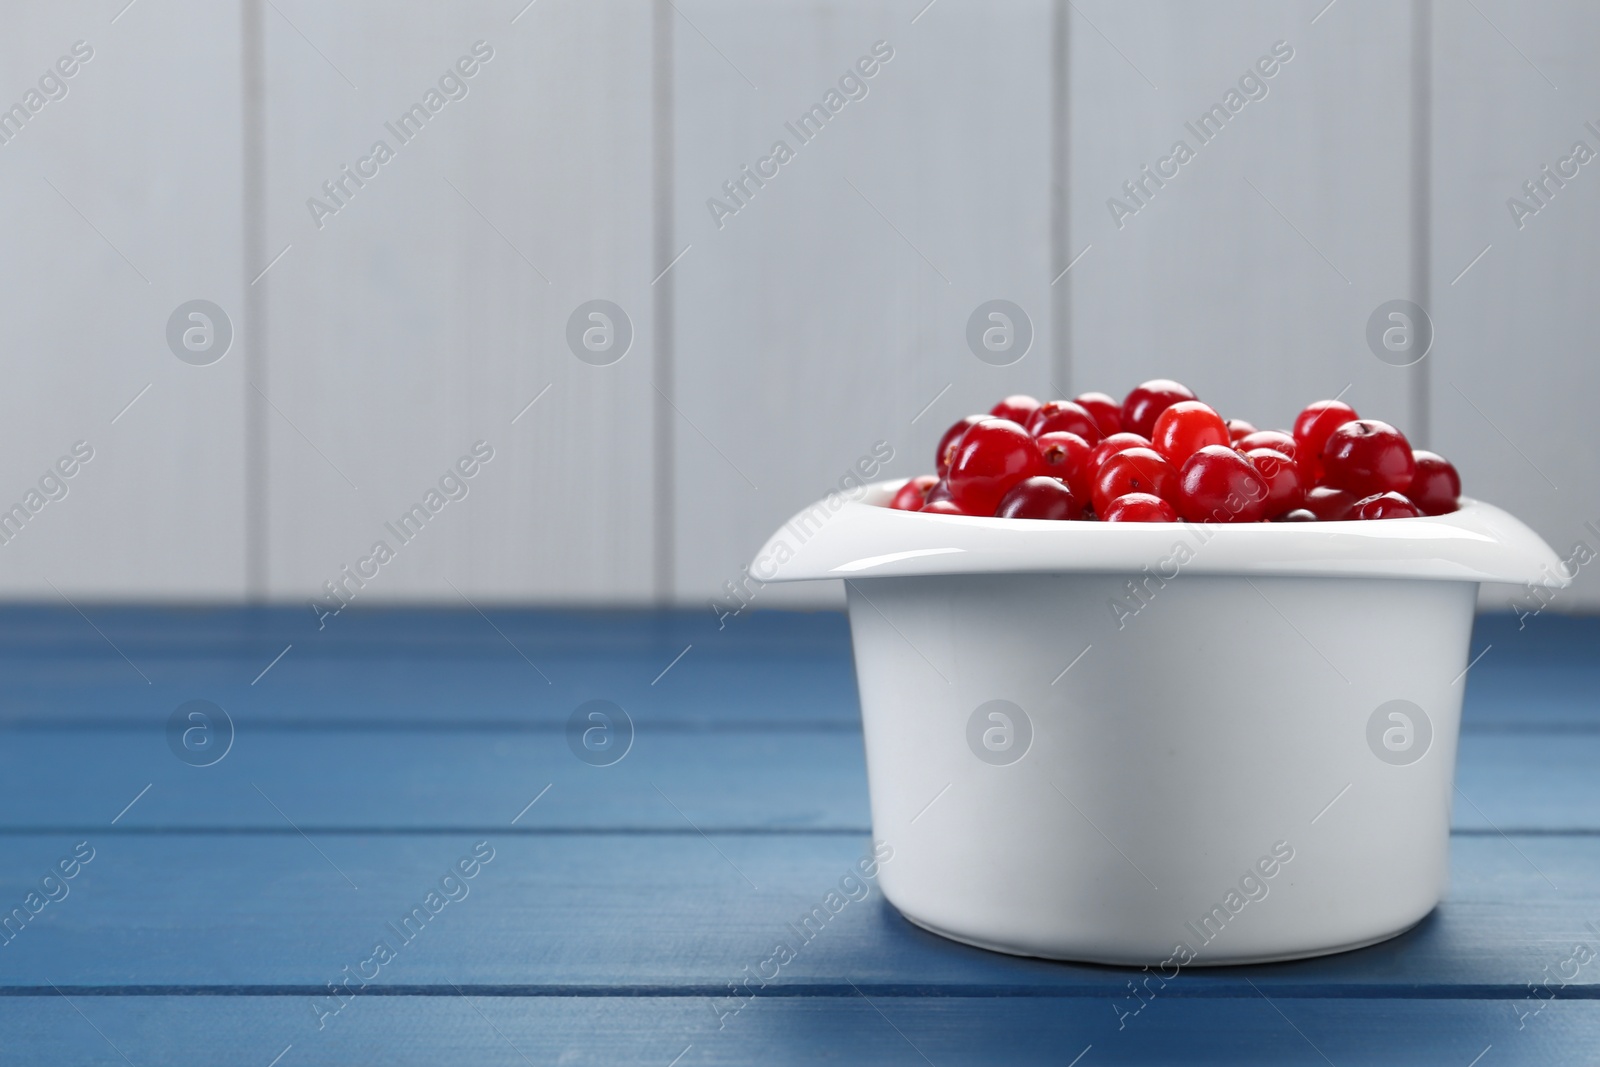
[432, 307]
[1515, 87]
[123, 202]
[832, 308]
[1250, 274]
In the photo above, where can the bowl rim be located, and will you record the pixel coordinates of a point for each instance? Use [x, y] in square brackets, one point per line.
[849, 536]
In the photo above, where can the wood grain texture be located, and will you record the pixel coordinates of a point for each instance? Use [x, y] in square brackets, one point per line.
[777, 781]
[618, 908]
[786, 777]
[378, 669]
[432, 308]
[124, 200]
[1513, 90]
[382, 669]
[650, 1031]
[460, 670]
[830, 312]
[685, 912]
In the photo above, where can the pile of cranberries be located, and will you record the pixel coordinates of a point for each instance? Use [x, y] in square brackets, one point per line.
[1162, 455]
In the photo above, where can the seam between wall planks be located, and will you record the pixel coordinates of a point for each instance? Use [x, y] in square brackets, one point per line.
[1060, 112]
[664, 560]
[1421, 178]
[253, 328]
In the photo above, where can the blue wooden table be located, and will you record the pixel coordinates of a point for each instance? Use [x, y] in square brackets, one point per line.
[216, 889]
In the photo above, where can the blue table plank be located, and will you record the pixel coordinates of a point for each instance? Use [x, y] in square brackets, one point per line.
[708, 688]
[797, 777]
[393, 781]
[139, 630]
[847, 1029]
[675, 912]
[1549, 638]
[455, 669]
[630, 895]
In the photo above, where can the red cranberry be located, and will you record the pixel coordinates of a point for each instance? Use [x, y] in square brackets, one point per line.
[1281, 441]
[1111, 446]
[1435, 486]
[941, 507]
[1106, 411]
[1133, 470]
[1217, 484]
[1039, 498]
[1329, 504]
[914, 493]
[1148, 401]
[993, 456]
[1064, 416]
[1312, 427]
[951, 438]
[1366, 456]
[1139, 507]
[1285, 490]
[1019, 409]
[1066, 456]
[1276, 440]
[1385, 506]
[1185, 428]
[1297, 515]
[1238, 429]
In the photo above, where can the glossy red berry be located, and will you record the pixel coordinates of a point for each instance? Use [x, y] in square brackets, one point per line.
[1162, 456]
[1435, 486]
[1366, 456]
[993, 456]
[1039, 498]
[1312, 427]
[1111, 446]
[1065, 416]
[951, 438]
[1185, 428]
[1019, 409]
[914, 494]
[1329, 504]
[1217, 484]
[1385, 506]
[1066, 456]
[1146, 402]
[1285, 489]
[1139, 507]
[1277, 440]
[1106, 411]
[1281, 440]
[1133, 470]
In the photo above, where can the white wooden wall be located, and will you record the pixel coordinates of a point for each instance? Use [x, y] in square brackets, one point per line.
[771, 352]
[122, 200]
[1513, 86]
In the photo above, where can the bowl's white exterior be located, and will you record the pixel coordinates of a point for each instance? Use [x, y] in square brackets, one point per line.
[1172, 756]
[1186, 735]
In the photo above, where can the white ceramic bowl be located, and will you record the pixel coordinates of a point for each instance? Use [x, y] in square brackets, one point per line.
[1160, 743]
